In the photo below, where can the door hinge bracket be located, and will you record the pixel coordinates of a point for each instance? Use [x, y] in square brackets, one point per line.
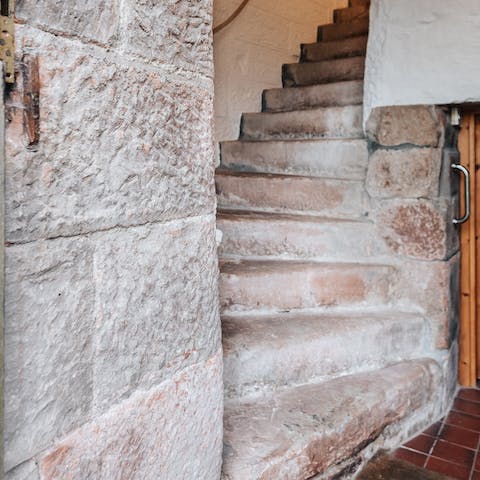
[7, 36]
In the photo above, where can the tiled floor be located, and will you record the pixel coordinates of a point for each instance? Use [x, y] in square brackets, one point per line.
[452, 445]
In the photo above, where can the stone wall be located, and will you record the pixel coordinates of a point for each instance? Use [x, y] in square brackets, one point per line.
[249, 53]
[414, 200]
[113, 354]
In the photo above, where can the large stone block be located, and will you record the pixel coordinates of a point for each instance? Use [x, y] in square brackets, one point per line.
[91, 20]
[119, 146]
[25, 471]
[174, 32]
[392, 126]
[156, 305]
[171, 432]
[406, 173]
[48, 343]
[433, 287]
[417, 228]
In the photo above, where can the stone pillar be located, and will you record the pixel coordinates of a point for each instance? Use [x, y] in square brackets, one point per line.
[413, 202]
[113, 352]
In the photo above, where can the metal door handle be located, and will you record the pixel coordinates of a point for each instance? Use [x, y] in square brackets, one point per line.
[466, 174]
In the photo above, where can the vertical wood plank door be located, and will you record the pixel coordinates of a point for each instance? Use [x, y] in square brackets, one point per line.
[469, 361]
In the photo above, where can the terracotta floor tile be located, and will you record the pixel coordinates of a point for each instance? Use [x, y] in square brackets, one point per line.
[454, 453]
[464, 421]
[469, 394]
[451, 469]
[477, 462]
[476, 476]
[416, 458]
[466, 406]
[422, 443]
[433, 429]
[460, 436]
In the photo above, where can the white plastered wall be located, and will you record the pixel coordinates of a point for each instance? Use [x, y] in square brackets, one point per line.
[249, 53]
[423, 52]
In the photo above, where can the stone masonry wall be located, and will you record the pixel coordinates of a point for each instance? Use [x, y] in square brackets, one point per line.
[414, 199]
[113, 353]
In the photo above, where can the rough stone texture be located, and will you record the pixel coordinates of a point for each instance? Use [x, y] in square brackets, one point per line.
[282, 193]
[164, 279]
[404, 173]
[97, 318]
[326, 95]
[169, 432]
[338, 31]
[314, 52]
[25, 471]
[146, 156]
[288, 285]
[112, 325]
[343, 159]
[301, 432]
[391, 126]
[331, 122]
[48, 334]
[302, 237]
[91, 20]
[416, 228]
[174, 32]
[294, 349]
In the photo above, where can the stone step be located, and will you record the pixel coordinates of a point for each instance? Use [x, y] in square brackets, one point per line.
[345, 15]
[291, 194]
[302, 431]
[250, 234]
[331, 122]
[337, 31]
[348, 47]
[252, 285]
[337, 94]
[342, 159]
[328, 71]
[268, 352]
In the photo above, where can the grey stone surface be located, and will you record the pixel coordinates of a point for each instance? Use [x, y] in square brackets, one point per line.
[144, 152]
[25, 471]
[314, 52]
[175, 32]
[48, 354]
[91, 20]
[156, 305]
[173, 431]
[407, 173]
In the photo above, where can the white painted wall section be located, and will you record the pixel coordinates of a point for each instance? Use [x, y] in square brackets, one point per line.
[423, 52]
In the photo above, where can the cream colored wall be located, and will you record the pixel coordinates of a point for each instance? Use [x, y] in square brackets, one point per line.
[249, 52]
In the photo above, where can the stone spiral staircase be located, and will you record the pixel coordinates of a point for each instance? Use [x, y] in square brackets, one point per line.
[321, 366]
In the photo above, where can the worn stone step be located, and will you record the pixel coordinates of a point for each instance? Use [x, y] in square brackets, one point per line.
[328, 71]
[337, 31]
[299, 98]
[267, 352]
[347, 47]
[343, 159]
[302, 431]
[359, 3]
[247, 285]
[343, 15]
[331, 122]
[291, 194]
[250, 234]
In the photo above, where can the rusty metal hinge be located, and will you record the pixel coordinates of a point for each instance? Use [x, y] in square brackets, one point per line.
[7, 35]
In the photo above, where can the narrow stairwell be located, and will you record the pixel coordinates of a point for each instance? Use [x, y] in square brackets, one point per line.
[319, 361]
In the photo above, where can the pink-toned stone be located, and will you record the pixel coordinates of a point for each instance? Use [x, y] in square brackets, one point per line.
[415, 228]
[171, 431]
[406, 173]
[283, 285]
[303, 431]
[417, 125]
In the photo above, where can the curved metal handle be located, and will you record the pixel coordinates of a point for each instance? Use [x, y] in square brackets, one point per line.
[466, 173]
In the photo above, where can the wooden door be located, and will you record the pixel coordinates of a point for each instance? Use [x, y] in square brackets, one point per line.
[469, 146]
